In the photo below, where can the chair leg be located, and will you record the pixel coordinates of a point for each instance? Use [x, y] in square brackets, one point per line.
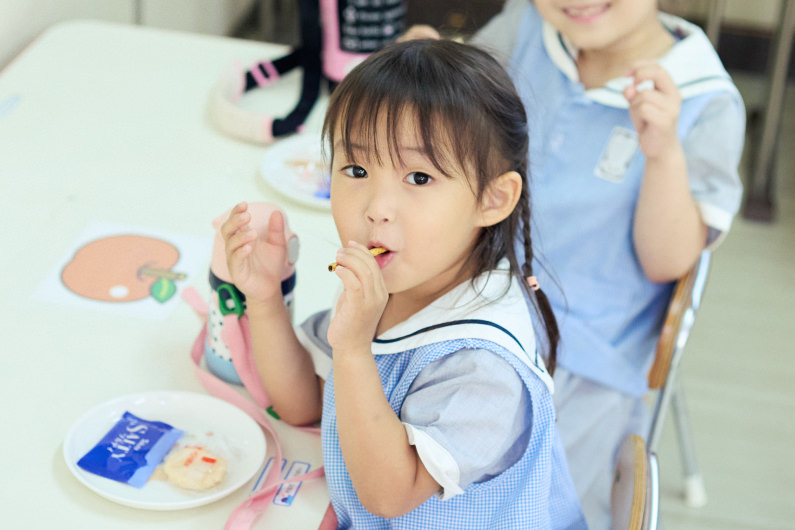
[695, 493]
[652, 515]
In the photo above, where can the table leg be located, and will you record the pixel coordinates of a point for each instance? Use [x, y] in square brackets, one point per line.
[138, 12]
[759, 194]
[267, 20]
[714, 16]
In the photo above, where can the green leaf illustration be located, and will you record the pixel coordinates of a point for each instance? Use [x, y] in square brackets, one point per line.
[163, 289]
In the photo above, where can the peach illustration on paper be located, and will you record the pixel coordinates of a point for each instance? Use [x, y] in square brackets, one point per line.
[123, 268]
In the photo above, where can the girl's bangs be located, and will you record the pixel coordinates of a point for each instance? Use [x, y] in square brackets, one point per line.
[359, 114]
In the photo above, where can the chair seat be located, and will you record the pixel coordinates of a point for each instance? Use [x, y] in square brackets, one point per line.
[630, 491]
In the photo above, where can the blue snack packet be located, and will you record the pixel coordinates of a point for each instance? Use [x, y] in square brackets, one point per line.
[131, 450]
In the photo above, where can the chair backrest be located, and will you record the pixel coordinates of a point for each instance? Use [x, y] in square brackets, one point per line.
[679, 319]
[632, 493]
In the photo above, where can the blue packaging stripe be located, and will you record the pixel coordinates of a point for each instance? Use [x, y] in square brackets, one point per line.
[130, 450]
[153, 458]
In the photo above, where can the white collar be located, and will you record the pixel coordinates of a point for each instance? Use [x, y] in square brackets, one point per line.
[481, 309]
[692, 63]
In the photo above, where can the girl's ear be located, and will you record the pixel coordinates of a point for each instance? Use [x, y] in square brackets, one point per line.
[500, 198]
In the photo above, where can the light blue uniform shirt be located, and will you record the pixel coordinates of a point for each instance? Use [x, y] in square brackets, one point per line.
[585, 174]
[464, 377]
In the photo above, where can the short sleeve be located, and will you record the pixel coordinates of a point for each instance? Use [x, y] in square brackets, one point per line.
[499, 35]
[312, 334]
[469, 415]
[713, 148]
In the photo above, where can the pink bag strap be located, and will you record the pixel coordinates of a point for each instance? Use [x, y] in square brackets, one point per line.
[235, 334]
[192, 297]
[249, 510]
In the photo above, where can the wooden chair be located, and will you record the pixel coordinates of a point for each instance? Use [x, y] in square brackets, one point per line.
[635, 494]
[663, 379]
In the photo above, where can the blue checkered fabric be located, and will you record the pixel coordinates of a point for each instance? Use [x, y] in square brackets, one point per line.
[536, 492]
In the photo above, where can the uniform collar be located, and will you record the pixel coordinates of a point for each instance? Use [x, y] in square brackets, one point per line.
[692, 63]
[482, 309]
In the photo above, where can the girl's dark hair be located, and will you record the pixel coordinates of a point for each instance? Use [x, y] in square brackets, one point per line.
[468, 113]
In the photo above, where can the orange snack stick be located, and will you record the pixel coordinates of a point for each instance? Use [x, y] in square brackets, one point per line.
[374, 251]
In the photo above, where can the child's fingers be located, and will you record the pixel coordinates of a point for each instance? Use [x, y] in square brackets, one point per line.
[368, 260]
[240, 239]
[654, 98]
[650, 71]
[651, 115]
[354, 261]
[642, 67]
[238, 217]
[236, 261]
[655, 108]
[236, 257]
[275, 234]
[350, 283]
[359, 251]
[639, 64]
[357, 258]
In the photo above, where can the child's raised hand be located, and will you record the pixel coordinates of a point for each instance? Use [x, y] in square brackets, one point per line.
[255, 263]
[362, 301]
[654, 110]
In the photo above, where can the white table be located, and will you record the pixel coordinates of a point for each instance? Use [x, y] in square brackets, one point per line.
[108, 122]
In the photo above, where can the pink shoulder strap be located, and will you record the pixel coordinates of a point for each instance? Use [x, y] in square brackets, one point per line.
[235, 334]
[249, 510]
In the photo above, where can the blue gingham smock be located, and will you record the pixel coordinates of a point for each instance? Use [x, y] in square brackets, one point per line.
[464, 377]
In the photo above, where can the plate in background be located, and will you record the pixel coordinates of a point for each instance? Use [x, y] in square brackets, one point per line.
[295, 168]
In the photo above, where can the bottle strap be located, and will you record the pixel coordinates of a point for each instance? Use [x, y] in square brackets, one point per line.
[249, 510]
[236, 335]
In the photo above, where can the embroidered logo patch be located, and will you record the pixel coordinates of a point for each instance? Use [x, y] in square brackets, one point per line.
[618, 153]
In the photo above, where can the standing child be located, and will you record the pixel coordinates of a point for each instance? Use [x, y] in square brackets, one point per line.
[435, 404]
[637, 137]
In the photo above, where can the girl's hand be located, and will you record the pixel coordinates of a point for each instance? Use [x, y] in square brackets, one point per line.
[362, 301]
[255, 263]
[654, 111]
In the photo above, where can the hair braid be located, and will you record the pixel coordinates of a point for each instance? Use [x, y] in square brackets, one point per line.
[540, 300]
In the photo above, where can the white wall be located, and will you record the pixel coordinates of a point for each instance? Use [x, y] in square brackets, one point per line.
[217, 17]
[22, 20]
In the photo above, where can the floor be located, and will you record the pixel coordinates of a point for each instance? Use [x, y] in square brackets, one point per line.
[738, 370]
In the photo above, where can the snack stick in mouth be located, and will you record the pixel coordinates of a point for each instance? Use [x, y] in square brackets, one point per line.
[374, 251]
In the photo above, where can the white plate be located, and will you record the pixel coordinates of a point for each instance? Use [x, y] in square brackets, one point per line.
[295, 168]
[193, 413]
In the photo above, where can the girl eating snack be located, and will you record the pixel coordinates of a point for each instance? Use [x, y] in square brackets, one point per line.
[435, 401]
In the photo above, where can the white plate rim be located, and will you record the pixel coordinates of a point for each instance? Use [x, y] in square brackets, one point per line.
[273, 158]
[90, 480]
